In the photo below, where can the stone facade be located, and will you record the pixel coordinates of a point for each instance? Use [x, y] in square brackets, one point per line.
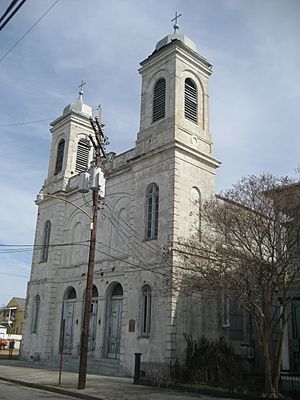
[135, 308]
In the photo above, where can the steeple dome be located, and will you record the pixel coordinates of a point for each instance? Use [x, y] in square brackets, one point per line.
[176, 36]
[79, 107]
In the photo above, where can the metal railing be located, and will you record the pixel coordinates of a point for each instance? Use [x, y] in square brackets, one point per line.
[165, 374]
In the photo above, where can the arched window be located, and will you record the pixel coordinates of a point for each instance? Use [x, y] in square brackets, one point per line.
[146, 311]
[152, 204]
[35, 314]
[159, 100]
[46, 241]
[59, 157]
[190, 100]
[82, 157]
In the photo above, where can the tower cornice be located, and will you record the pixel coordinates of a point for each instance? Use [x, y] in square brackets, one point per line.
[178, 47]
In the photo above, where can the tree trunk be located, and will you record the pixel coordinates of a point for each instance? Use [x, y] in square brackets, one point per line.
[271, 388]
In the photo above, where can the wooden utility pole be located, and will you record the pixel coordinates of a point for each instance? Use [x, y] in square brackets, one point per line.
[99, 146]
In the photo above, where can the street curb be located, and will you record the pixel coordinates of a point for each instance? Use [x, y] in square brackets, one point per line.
[53, 389]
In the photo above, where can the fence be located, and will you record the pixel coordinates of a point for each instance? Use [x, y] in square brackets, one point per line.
[164, 374]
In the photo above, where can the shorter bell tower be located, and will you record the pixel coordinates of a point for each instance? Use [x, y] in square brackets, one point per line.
[71, 152]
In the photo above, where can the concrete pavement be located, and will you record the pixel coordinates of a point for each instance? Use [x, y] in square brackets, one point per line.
[97, 387]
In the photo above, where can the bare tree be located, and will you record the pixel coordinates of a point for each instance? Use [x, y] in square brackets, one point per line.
[248, 252]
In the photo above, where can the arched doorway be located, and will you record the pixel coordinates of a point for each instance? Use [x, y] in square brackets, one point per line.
[68, 317]
[113, 321]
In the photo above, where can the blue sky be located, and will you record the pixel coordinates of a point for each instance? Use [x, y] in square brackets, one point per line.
[254, 91]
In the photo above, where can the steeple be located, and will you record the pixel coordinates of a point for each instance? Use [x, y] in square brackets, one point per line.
[174, 105]
[70, 151]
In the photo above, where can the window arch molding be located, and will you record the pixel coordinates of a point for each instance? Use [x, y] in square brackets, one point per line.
[46, 241]
[151, 211]
[59, 156]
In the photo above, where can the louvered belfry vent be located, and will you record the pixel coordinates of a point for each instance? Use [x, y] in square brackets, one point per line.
[82, 158]
[190, 100]
[159, 99]
[59, 157]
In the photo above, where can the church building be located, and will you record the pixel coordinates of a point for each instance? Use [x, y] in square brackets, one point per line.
[152, 197]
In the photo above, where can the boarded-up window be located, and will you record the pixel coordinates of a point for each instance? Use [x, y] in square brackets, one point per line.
[35, 313]
[159, 100]
[152, 205]
[46, 241]
[190, 100]
[82, 157]
[59, 157]
[146, 311]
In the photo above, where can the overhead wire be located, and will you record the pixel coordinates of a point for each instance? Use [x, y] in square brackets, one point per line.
[26, 123]
[28, 31]
[130, 230]
[12, 14]
[9, 8]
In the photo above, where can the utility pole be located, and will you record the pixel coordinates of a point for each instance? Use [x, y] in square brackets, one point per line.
[99, 146]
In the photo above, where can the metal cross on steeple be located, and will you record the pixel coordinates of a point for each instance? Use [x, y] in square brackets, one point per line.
[176, 26]
[80, 86]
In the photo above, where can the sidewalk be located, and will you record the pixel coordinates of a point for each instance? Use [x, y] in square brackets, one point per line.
[97, 387]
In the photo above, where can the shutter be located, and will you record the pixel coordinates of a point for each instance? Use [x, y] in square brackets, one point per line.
[59, 157]
[82, 157]
[190, 100]
[159, 99]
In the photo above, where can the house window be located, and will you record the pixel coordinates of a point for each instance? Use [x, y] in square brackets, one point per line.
[59, 157]
[46, 241]
[152, 203]
[225, 316]
[82, 158]
[146, 311]
[190, 100]
[35, 314]
[159, 100]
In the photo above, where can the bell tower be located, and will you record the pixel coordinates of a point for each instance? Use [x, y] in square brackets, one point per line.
[174, 99]
[71, 151]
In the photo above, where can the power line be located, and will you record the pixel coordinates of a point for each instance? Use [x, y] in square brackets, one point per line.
[10, 274]
[12, 14]
[11, 6]
[28, 30]
[26, 123]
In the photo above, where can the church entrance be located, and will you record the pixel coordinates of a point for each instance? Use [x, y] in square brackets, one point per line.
[113, 322]
[68, 317]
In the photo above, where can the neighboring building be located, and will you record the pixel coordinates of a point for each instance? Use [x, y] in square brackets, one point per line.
[12, 316]
[288, 199]
[152, 198]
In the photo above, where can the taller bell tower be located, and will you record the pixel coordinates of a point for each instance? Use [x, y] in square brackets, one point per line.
[174, 100]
